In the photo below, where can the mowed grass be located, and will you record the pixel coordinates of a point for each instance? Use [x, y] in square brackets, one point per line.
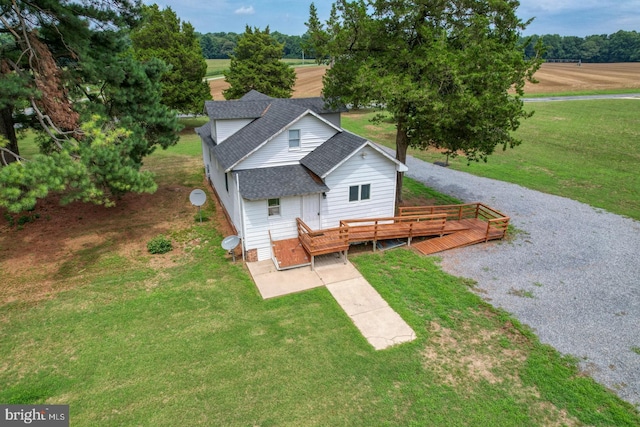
[192, 343]
[216, 67]
[196, 345]
[584, 150]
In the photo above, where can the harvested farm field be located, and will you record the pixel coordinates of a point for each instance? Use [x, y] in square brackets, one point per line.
[552, 77]
[308, 83]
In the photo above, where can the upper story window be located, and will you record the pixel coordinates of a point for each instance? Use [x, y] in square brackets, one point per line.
[359, 192]
[294, 139]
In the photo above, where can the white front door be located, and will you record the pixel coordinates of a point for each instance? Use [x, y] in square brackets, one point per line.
[311, 210]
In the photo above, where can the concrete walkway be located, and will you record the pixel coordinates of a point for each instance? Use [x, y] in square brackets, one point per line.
[371, 314]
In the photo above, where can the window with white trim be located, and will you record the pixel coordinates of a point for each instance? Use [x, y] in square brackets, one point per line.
[273, 207]
[294, 139]
[359, 192]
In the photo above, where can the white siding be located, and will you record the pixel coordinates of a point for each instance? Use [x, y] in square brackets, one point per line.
[226, 128]
[258, 224]
[313, 132]
[206, 159]
[229, 199]
[374, 169]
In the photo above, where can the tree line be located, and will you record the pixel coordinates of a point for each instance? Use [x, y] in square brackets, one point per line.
[222, 45]
[623, 46]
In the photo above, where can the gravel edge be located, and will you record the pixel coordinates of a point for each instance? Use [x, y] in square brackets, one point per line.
[572, 272]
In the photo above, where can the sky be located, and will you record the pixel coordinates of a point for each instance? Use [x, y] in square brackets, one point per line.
[564, 17]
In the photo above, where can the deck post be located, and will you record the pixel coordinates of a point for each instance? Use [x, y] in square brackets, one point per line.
[345, 256]
[313, 258]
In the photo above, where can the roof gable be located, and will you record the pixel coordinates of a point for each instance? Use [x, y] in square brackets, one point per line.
[248, 139]
[337, 150]
[276, 118]
[333, 152]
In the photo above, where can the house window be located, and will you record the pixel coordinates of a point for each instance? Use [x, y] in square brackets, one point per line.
[365, 191]
[273, 207]
[353, 193]
[359, 192]
[294, 139]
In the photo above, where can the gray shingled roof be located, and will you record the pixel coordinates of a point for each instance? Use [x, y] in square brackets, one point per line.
[279, 181]
[236, 109]
[327, 156]
[254, 95]
[279, 114]
[253, 104]
[205, 134]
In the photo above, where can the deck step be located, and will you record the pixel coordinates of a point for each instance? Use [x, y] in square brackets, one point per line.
[450, 241]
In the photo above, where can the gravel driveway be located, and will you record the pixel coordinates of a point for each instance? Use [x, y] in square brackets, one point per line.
[572, 274]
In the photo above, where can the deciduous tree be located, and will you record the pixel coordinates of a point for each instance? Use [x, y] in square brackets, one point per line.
[257, 64]
[451, 73]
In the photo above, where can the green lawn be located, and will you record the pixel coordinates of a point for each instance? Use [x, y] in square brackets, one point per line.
[585, 150]
[189, 341]
[194, 344]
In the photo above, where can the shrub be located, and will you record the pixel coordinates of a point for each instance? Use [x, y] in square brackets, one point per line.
[159, 245]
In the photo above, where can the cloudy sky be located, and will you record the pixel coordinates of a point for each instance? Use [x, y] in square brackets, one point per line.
[564, 17]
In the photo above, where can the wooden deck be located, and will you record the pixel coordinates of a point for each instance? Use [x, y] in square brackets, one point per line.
[289, 253]
[450, 226]
[474, 231]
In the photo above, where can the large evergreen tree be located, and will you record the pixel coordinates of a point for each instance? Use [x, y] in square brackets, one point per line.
[442, 69]
[256, 64]
[163, 36]
[67, 74]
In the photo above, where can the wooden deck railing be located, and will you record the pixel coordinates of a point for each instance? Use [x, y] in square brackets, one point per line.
[364, 230]
[395, 227]
[415, 221]
[324, 241]
[497, 222]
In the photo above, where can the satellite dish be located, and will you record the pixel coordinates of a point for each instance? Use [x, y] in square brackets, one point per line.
[197, 198]
[229, 243]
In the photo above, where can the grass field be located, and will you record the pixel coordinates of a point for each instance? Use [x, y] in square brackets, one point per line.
[215, 67]
[185, 339]
[585, 150]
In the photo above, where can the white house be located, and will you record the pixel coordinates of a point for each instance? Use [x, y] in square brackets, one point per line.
[272, 160]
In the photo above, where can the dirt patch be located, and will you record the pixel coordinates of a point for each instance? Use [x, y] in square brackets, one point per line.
[452, 352]
[463, 357]
[62, 245]
[552, 77]
[63, 240]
